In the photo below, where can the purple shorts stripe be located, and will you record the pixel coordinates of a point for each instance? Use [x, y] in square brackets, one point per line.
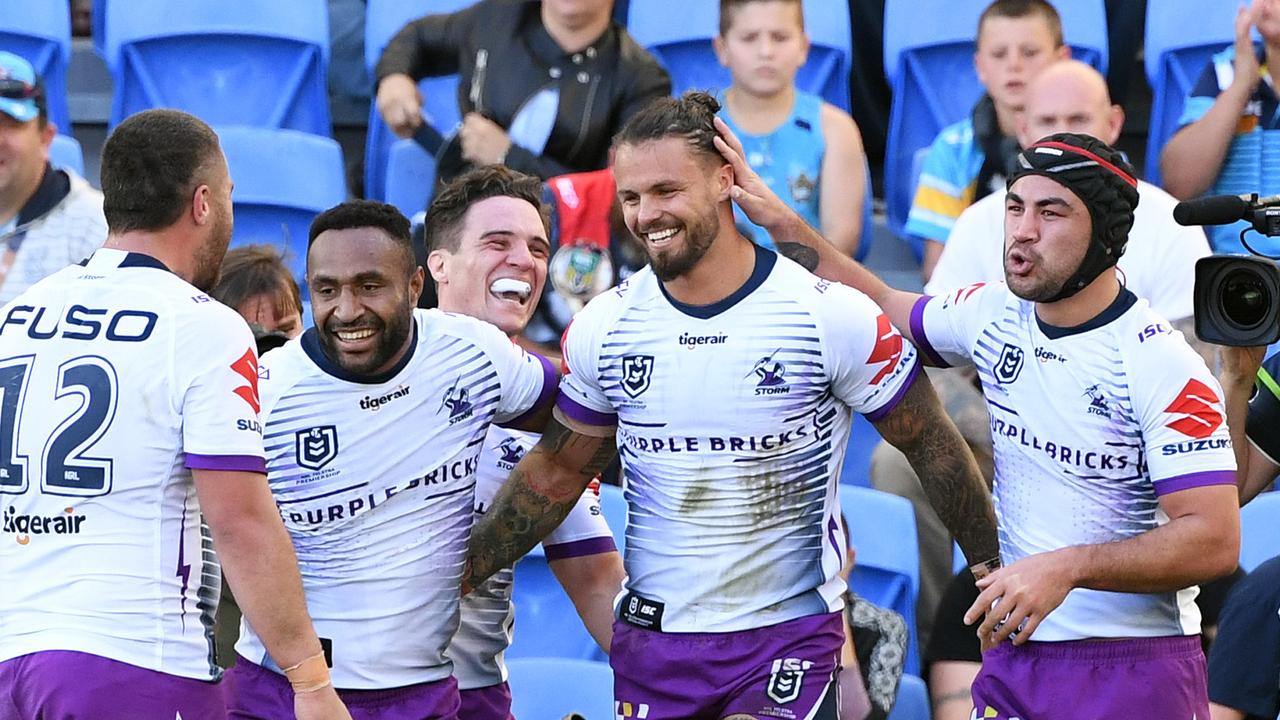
[240, 463]
[780, 671]
[486, 703]
[583, 414]
[912, 376]
[68, 684]
[918, 334]
[550, 383]
[1161, 677]
[254, 693]
[1195, 480]
[580, 548]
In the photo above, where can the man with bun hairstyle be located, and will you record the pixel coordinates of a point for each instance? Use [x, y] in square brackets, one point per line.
[1114, 474]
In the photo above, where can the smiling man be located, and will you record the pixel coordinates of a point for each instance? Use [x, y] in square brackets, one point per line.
[728, 375]
[373, 423]
[488, 232]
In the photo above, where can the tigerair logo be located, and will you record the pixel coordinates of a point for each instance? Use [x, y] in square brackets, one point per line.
[373, 403]
[1196, 404]
[24, 526]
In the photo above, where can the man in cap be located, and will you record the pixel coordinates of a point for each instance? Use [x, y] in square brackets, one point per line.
[49, 217]
[1114, 475]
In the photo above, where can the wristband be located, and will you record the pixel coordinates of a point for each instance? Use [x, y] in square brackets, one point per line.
[309, 675]
[985, 568]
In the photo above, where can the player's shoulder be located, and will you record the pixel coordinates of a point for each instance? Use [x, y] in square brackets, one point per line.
[436, 325]
[608, 306]
[1149, 341]
[981, 297]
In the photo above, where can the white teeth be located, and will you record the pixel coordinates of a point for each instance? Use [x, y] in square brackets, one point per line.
[353, 335]
[660, 235]
[511, 285]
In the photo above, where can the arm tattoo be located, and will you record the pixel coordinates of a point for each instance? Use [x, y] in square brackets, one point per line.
[536, 498]
[803, 255]
[923, 432]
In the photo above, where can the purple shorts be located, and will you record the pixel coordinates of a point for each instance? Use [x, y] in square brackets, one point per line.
[781, 672]
[63, 684]
[1162, 677]
[254, 693]
[486, 703]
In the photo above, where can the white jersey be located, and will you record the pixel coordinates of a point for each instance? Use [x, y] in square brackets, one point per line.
[732, 423]
[1158, 265]
[487, 612]
[375, 478]
[118, 377]
[1090, 426]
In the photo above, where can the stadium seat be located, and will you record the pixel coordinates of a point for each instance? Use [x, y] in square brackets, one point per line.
[551, 688]
[1259, 530]
[863, 439]
[912, 702]
[614, 507]
[410, 175]
[882, 528]
[684, 46]
[65, 153]
[383, 20]
[40, 31]
[546, 623]
[283, 179]
[1176, 51]
[230, 62]
[930, 70]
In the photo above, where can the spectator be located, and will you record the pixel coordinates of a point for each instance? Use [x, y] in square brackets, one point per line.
[255, 283]
[1244, 662]
[1219, 147]
[49, 217]
[543, 86]
[1016, 39]
[1159, 262]
[808, 151]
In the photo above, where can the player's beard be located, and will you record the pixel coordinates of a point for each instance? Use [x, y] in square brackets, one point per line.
[698, 237]
[1040, 286]
[208, 257]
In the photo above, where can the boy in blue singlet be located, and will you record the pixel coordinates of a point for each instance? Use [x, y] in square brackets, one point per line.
[809, 151]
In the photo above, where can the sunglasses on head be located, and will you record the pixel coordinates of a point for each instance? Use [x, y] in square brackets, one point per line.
[14, 89]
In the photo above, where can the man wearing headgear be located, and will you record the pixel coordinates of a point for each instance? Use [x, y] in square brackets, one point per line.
[49, 217]
[1114, 475]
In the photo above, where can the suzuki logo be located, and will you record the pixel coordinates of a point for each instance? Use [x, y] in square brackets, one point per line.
[247, 368]
[1195, 402]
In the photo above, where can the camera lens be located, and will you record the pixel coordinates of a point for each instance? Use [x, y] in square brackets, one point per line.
[1245, 299]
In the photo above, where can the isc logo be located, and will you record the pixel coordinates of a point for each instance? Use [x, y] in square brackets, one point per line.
[82, 323]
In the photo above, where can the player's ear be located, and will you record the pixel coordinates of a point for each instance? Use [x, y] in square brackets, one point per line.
[437, 264]
[416, 282]
[724, 182]
[201, 204]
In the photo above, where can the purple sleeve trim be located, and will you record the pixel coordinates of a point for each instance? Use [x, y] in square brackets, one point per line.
[917, 333]
[583, 414]
[580, 548]
[912, 375]
[240, 463]
[1195, 480]
[550, 383]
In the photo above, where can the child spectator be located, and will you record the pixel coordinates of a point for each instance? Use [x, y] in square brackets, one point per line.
[1016, 39]
[808, 151]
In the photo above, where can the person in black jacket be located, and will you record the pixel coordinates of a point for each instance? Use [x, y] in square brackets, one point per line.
[543, 85]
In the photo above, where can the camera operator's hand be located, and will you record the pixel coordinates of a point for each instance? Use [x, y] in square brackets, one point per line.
[1240, 365]
[1246, 61]
[1239, 370]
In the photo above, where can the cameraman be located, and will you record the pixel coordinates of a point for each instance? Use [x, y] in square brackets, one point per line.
[1244, 661]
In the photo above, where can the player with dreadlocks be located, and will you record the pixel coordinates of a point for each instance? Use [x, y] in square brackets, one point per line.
[1113, 504]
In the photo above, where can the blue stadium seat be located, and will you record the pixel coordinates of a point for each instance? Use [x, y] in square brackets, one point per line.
[863, 439]
[912, 702]
[684, 46]
[383, 20]
[40, 31]
[551, 688]
[1259, 530]
[65, 153]
[410, 175]
[613, 505]
[1176, 51]
[546, 623]
[283, 179]
[930, 70]
[230, 62]
[882, 528]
